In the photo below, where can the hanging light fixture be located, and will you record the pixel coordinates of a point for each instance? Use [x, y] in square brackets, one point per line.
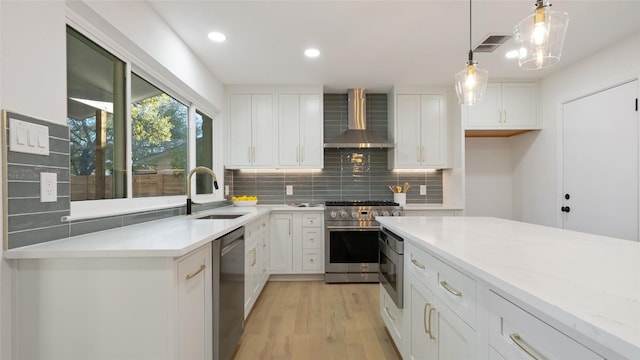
[471, 82]
[539, 37]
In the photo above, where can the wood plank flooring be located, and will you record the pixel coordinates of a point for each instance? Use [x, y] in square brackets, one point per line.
[314, 320]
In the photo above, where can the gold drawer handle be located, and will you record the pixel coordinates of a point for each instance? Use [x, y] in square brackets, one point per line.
[189, 276]
[525, 347]
[450, 289]
[417, 264]
[431, 310]
[386, 308]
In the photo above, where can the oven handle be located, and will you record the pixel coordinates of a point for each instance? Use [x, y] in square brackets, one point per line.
[353, 227]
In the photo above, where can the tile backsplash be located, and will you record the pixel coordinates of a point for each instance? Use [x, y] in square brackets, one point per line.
[348, 174]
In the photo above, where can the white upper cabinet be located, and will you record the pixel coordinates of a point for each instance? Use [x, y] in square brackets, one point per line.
[274, 127]
[419, 131]
[300, 131]
[505, 106]
[251, 132]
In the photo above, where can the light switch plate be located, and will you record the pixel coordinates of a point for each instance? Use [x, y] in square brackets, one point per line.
[48, 187]
[28, 138]
[423, 189]
[289, 189]
[226, 190]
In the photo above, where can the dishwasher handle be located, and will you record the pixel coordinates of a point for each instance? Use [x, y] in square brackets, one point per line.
[231, 246]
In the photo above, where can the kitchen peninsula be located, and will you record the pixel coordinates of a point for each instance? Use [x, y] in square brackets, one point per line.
[508, 288]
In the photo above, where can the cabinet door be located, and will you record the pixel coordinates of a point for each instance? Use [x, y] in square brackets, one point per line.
[248, 278]
[423, 342]
[240, 148]
[300, 131]
[408, 138]
[519, 105]
[456, 340]
[311, 138]
[262, 131]
[433, 130]
[194, 305]
[289, 130]
[281, 244]
[486, 114]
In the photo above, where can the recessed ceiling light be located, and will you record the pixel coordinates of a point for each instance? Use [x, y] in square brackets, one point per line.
[312, 53]
[217, 36]
[512, 54]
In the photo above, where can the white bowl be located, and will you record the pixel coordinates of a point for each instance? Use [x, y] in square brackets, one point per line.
[244, 202]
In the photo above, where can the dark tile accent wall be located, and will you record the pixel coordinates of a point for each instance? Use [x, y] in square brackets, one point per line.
[348, 174]
[30, 222]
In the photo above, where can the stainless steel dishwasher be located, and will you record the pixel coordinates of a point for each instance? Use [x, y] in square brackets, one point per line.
[228, 293]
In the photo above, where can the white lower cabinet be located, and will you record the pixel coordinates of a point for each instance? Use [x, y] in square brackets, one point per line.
[516, 334]
[431, 213]
[449, 314]
[194, 312]
[256, 261]
[297, 242]
[436, 331]
[115, 308]
[392, 317]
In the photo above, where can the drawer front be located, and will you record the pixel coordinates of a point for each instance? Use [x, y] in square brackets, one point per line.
[311, 238]
[421, 265]
[311, 260]
[516, 334]
[312, 220]
[392, 317]
[457, 291]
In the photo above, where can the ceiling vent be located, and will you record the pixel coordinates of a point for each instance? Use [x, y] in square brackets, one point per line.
[491, 42]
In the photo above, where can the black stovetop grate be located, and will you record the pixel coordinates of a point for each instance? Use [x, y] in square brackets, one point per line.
[361, 203]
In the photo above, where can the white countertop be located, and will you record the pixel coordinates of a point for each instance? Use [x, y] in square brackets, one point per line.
[172, 237]
[587, 282]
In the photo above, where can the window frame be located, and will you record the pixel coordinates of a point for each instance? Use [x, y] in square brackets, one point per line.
[158, 76]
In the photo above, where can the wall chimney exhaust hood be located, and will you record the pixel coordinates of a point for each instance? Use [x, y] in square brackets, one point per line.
[357, 135]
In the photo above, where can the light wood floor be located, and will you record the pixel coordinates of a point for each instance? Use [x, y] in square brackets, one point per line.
[314, 320]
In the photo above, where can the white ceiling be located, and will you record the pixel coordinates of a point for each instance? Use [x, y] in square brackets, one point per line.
[378, 44]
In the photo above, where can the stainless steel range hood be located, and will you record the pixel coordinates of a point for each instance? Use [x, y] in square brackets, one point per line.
[357, 135]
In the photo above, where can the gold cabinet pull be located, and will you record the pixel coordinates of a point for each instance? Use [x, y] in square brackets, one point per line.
[450, 289]
[417, 264]
[431, 310]
[424, 319]
[525, 347]
[386, 309]
[189, 276]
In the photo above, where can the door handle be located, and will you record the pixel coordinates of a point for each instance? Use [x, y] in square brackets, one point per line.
[193, 274]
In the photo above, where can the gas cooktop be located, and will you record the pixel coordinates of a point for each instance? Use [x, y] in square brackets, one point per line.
[361, 203]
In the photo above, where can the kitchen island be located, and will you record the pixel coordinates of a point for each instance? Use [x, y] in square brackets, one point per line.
[558, 283]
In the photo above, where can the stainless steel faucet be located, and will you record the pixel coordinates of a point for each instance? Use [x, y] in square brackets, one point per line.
[199, 169]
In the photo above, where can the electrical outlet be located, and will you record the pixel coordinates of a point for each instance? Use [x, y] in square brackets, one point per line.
[289, 189]
[48, 187]
[423, 189]
[226, 190]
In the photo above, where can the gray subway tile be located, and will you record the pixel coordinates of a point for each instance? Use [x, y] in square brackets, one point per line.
[32, 221]
[36, 236]
[33, 205]
[89, 226]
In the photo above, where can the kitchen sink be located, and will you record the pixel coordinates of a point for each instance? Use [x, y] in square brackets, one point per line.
[220, 216]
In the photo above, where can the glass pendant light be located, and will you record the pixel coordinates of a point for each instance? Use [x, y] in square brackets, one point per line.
[471, 82]
[539, 37]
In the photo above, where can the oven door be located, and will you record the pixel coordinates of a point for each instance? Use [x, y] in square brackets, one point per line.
[391, 273]
[351, 250]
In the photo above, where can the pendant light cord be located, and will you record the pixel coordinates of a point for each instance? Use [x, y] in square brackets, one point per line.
[470, 26]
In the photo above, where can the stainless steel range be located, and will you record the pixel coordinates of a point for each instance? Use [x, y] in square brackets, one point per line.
[351, 234]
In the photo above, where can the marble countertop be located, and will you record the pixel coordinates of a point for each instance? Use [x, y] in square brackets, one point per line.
[589, 283]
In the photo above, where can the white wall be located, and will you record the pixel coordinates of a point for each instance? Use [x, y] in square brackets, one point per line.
[32, 82]
[33, 77]
[536, 157]
[488, 177]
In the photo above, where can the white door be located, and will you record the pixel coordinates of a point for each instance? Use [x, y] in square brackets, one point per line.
[281, 244]
[311, 146]
[600, 163]
[262, 130]
[240, 130]
[408, 137]
[289, 130]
